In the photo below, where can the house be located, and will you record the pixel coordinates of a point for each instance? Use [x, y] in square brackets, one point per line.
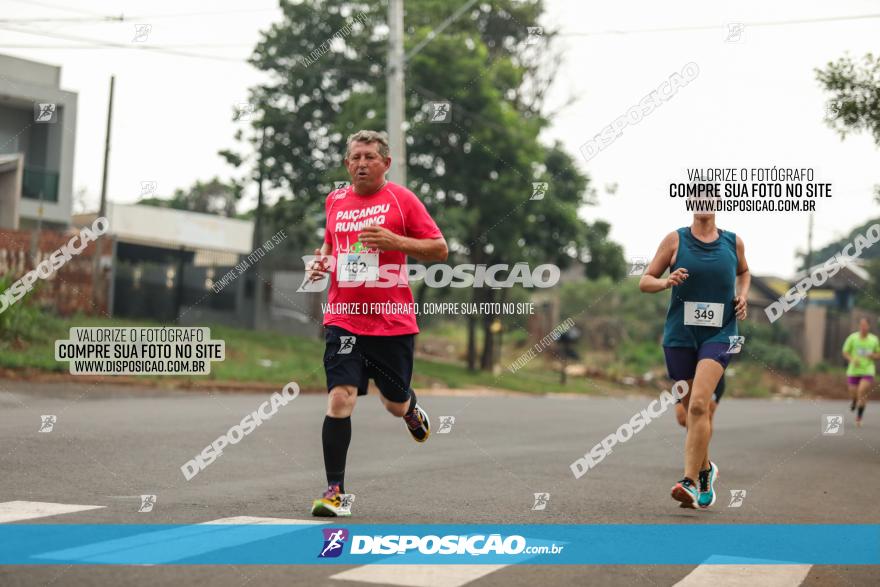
[822, 320]
[163, 262]
[37, 137]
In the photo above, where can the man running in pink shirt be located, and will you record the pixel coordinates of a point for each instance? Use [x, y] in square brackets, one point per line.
[370, 326]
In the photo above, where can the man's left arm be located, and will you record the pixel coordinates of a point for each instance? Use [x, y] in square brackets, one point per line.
[422, 249]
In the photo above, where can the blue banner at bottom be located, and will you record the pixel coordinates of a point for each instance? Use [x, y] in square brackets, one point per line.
[355, 544]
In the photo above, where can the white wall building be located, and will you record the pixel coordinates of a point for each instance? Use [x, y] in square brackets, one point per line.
[37, 123]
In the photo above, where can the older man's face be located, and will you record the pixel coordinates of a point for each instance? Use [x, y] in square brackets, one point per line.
[366, 167]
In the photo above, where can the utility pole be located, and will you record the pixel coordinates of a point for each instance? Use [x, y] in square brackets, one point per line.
[258, 232]
[395, 92]
[102, 210]
[810, 242]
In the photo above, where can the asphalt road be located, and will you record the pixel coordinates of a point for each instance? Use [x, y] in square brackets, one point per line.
[110, 445]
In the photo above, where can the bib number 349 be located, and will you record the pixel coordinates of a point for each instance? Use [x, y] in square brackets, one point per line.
[703, 314]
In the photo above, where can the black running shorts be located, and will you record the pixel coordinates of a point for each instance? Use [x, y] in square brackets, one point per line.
[353, 359]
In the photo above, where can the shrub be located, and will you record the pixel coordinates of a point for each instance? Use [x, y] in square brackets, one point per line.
[23, 320]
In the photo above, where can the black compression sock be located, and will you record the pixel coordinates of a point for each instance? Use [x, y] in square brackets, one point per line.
[336, 436]
[861, 411]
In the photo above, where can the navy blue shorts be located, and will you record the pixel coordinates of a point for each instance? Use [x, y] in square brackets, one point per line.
[353, 359]
[681, 362]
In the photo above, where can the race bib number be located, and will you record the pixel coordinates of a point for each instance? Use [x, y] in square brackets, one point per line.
[359, 267]
[863, 352]
[703, 314]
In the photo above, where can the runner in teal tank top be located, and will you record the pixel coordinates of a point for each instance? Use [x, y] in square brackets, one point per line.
[710, 280]
[707, 295]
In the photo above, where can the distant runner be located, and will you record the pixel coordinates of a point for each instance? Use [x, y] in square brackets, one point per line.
[372, 225]
[710, 280]
[861, 349]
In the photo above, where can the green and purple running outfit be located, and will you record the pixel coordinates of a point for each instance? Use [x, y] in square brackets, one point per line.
[860, 349]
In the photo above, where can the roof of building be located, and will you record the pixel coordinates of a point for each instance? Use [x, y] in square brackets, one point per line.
[170, 228]
[847, 271]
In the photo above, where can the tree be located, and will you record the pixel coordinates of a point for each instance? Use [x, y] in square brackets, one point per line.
[475, 174]
[606, 256]
[854, 105]
[855, 95]
[836, 246]
[210, 197]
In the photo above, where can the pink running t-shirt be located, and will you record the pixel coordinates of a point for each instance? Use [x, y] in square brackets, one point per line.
[393, 207]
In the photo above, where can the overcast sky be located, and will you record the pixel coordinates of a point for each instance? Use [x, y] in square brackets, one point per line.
[755, 102]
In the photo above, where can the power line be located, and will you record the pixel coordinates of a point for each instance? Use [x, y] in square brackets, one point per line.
[101, 45]
[716, 27]
[83, 19]
[98, 18]
[57, 7]
[115, 45]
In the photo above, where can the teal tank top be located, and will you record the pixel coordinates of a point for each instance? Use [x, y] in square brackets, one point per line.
[711, 280]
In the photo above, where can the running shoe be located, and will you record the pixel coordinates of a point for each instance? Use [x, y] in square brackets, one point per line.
[333, 503]
[418, 424]
[858, 422]
[686, 492]
[707, 486]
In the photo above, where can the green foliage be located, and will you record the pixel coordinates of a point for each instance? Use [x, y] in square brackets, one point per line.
[23, 321]
[854, 104]
[835, 247]
[826, 367]
[210, 197]
[774, 333]
[640, 357]
[606, 256]
[775, 356]
[869, 298]
[611, 312]
[747, 380]
[474, 174]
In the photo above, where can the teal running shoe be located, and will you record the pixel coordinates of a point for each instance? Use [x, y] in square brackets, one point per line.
[707, 486]
[686, 492]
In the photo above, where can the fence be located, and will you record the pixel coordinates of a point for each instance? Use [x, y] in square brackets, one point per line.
[67, 291]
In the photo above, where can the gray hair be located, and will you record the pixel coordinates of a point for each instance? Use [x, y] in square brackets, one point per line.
[369, 137]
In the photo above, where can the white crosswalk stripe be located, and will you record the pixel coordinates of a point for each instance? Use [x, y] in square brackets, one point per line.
[418, 575]
[254, 520]
[16, 511]
[712, 572]
[177, 543]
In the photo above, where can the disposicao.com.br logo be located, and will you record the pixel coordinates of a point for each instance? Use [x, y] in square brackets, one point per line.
[334, 542]
[452, 544]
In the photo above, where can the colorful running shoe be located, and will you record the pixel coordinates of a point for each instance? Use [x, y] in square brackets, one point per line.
[707, 486]
[685, 492]
[418, 424]
[333, 503]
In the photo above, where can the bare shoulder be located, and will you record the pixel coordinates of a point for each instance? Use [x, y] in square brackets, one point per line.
[670, 241]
